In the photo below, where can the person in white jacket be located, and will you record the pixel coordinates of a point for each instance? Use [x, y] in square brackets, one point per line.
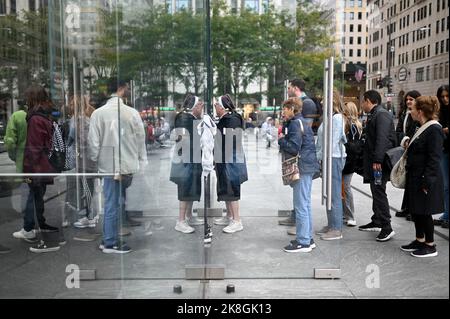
[117, 144]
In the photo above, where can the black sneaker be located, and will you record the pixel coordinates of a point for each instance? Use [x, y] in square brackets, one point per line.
[295, 247]
[385, 234]
[412, 246]
[425, 251]
[312, 243]
[48, 229]
[44, 248]
[402, 213]
[370, 227]
[117, 249]
[444, 224]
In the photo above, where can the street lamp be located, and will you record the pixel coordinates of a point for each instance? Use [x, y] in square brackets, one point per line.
[343, 69]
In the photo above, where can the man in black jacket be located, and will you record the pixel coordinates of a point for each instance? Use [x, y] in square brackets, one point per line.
[379, 137]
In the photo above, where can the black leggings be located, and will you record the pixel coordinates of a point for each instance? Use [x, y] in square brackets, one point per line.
[424, 227]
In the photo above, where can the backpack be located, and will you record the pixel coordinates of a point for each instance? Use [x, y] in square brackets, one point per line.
[58, 153]
[355, 151]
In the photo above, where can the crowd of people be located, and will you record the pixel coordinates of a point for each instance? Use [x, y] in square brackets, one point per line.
[111, 141]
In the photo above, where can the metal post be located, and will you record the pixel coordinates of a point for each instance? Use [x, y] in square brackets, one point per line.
[330, 131]
[325, 131]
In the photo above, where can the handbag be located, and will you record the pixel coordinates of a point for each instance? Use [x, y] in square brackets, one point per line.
[398, 173]
[393, 155]
[290, 171]
[289, 167]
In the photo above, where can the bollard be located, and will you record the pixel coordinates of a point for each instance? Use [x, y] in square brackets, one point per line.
[177, 289]
[230, 289]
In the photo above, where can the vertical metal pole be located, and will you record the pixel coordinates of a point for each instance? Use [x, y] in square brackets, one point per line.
[330, 131]
[209, 71]
[325, 132]
[76, 101]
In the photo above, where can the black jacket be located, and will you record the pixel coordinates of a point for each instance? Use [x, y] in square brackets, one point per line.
[443, 119]
[379, 137]
[423, 171]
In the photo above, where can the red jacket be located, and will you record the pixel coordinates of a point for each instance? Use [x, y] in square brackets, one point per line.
[38, 145]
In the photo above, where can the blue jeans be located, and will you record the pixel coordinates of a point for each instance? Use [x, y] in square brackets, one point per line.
[302, 207]
[34, 203]
[115, 196]
[444, 167]
[335, 215]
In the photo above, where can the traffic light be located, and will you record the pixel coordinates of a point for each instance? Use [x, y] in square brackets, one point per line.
[379, 84]
[390, 84]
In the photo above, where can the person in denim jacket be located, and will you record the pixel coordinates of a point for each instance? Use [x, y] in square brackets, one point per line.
[298, 138]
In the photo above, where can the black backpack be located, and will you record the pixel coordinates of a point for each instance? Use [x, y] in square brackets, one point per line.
[57, 154]
[355, 152]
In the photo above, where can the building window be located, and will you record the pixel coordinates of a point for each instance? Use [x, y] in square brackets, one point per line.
[359, 15]
[32, 5]
[442, 46]
[352, 16]
[435, 72]
[350, 52]
[13, 7]
[252, 5]
[360, 28]
[427, 75]
[441, 70]
[351, 40]
[358, 53]
[360, 3]
[359, 40]
[443, 24]
[2, 6]
[343, 40]
[351, 27]
[436, 49]
[446, 70]
[437, 27]
[419, 75]
[181, 5]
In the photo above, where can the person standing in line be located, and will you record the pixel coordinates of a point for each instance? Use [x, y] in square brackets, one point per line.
[187, 172]
[380, 137]
[424, 181]
[116, 142]
[36, 160]
[353, 131]
[442, 95]
[333, 231]
[298, 139]
[231, 168]
[310, 113]
[407, 126]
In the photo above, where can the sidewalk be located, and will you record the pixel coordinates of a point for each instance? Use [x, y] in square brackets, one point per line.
[253, 259]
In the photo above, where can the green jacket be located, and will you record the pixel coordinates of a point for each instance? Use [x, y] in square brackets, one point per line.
[16, 137]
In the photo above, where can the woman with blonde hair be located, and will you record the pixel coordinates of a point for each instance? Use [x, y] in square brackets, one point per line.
[333, 231]
[79, 110]
[424, 181]
[353, 149]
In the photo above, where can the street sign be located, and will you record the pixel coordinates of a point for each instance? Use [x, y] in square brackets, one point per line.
[389, 94]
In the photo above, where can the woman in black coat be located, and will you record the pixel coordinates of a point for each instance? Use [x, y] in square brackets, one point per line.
[231, 168]
[186, 169]
[424, 182]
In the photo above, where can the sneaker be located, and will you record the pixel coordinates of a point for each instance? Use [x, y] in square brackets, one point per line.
[195, 221]
[292, 231]
[45, 228]
[44, 248]
[312, 244]
[425, 251]
[295, 247]
[84, 223]
[324, 230]
[182, 226]
[385, 234]
[332, 235]
[65, 224]
[351, 223]
[23, 234]
[370, 227]
[290, 221]
[223, 221]
[4, 250]
[412, 246]
[116, 249]
[444, 224]
[233, 227]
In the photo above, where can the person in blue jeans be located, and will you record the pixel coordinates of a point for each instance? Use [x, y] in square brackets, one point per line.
[333, 231]
[298, 139]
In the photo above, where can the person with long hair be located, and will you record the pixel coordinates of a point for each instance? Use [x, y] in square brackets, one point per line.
[36, 160]
[442, 95]
[407, 126]
[333, 230]
[353, 131]
[424, 182]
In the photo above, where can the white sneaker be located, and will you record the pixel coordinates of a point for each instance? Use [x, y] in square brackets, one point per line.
[182, 226]
[351, 222]
[233, 227]
[222, 221]
[22, 234]
[84, 223]
[195, 221]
